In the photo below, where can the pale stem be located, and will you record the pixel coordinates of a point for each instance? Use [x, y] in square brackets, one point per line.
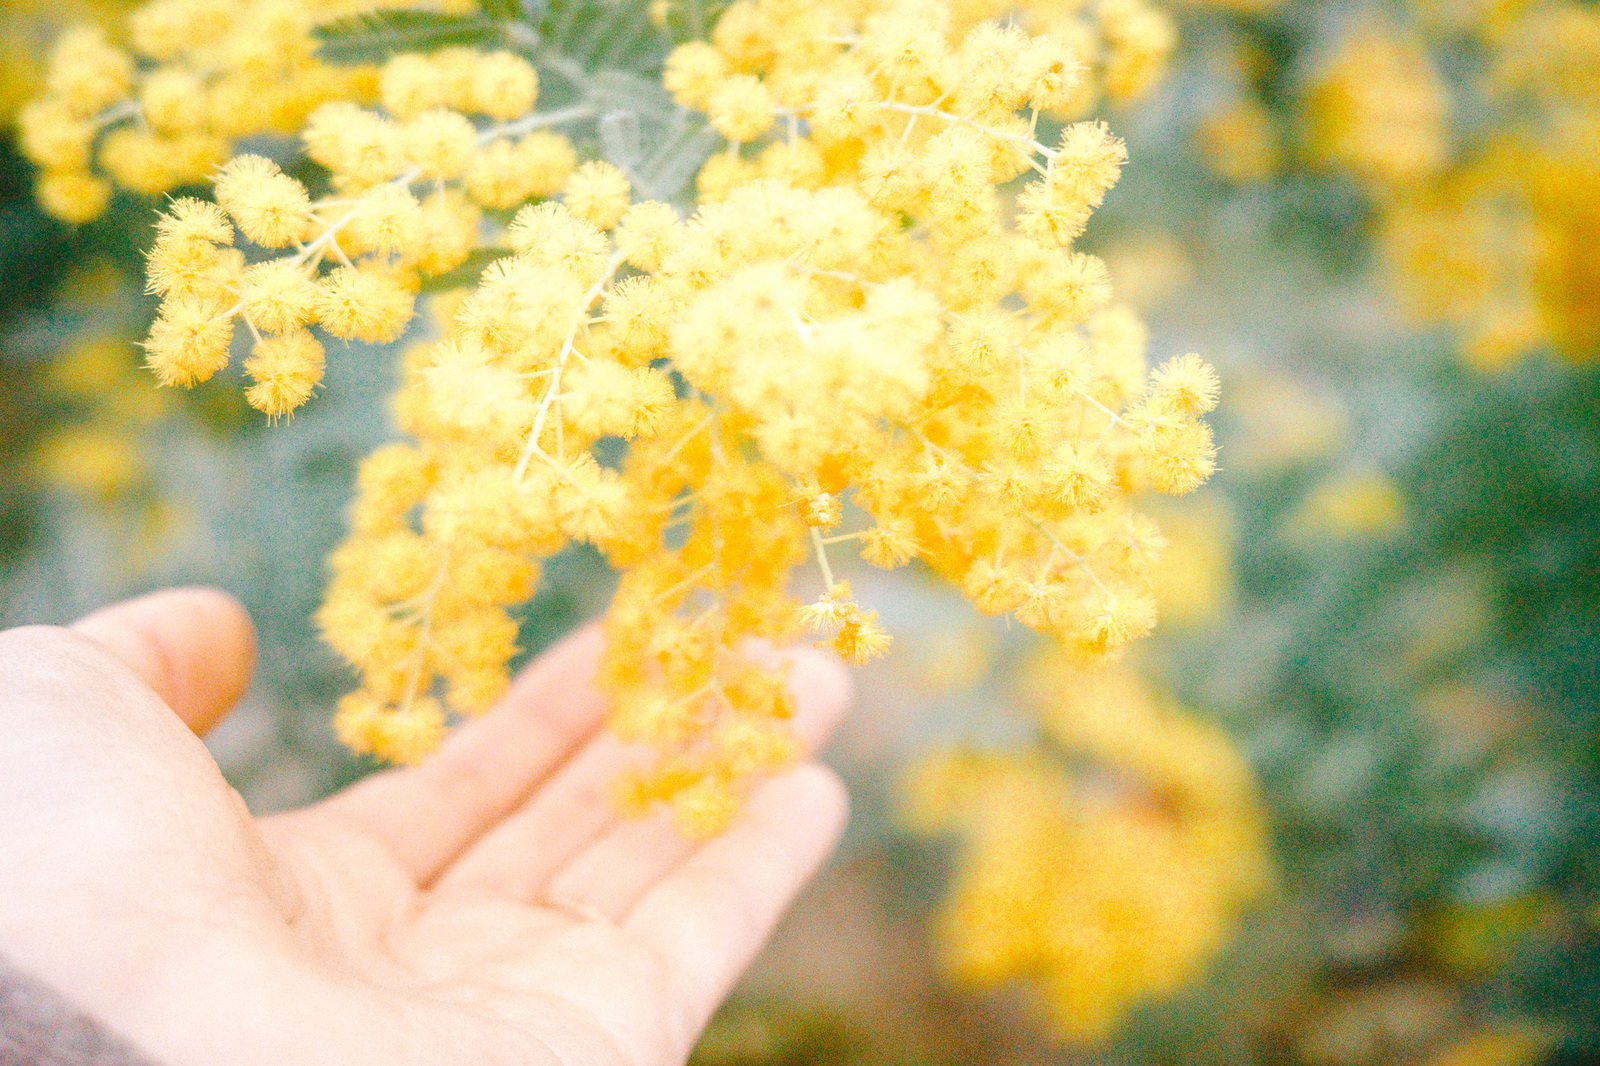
[841, 275]
[116, 113]
[535, 120]
[425, 637]
[326, 237]
[953, 119]
[822, 557]
[688, 582]
[325, 240]
[1109, 413]
[688, 499]
[1027, 154]
[1080, 561]
[802, 330]
[687, 437]
[553, 389]
[1049, 561]
[905, 134]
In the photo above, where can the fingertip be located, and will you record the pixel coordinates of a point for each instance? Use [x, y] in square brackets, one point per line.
[823, 689]
[194, 647]
[822, 794]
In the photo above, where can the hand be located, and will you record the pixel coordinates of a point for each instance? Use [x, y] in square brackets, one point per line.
[485, 907]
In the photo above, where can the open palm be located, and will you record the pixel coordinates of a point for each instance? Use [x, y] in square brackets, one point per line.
[485, 907]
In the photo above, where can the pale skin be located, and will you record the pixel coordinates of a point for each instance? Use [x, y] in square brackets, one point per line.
[486, 907]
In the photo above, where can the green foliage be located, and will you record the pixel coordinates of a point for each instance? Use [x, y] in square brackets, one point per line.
[769, 1032]
[466, 274]
[374, 36]
[597, 35]
[659, 145]
[528, 11]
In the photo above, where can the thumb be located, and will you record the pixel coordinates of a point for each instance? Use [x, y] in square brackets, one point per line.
[122, 848]
[194, 647]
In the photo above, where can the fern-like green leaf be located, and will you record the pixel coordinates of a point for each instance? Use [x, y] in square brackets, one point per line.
[374, 36]
[531, 12]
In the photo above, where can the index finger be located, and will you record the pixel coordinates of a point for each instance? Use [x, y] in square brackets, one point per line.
[427, 814]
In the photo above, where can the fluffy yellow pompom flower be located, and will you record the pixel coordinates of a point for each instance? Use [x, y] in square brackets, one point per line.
[503, 85]
[175, 101]
[598, 192]
[362, 149]
[740, 108]
[405, 736]
[549, 235]
[284, 371]
[507, 173]
[72, 196]
[269, 207]
[1186, 385]
[385, 218]
[439, 142]
[364, 304]
[54, 138]
[693, 72]
[646, 232]
[87, 73]
[277, 295]
[149, 163]
[188, 342]
[411, 84]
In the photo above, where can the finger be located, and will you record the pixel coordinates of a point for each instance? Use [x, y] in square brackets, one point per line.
[194, 647]
[709, 918]
[515, 858]
[425, 815]
[569, 846]
[114, 819]
[610, 875]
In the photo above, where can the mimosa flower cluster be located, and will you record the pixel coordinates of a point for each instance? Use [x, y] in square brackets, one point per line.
[872, 333]
[194, 76]
[1098, 889]
[359, 253]
[1504, 244]
[163, 110]
[1475, 132]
